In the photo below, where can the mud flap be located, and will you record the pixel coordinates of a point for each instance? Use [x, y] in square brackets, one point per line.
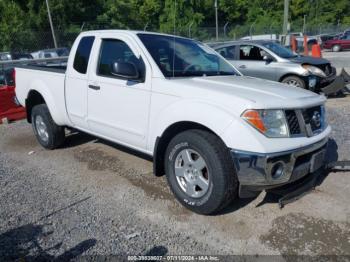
[337, 85]
[339, 166]
[291, 194]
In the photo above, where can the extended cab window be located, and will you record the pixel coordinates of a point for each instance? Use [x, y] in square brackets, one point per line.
[250, 52]
[228, 52]
[82, 54]
[113, 50]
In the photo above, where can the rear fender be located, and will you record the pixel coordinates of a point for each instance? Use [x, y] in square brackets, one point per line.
[42, 89]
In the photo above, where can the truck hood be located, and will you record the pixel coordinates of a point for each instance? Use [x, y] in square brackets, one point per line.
[309, 60]
[245, 92]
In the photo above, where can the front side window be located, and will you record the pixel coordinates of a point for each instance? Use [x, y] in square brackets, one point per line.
[181, 57]
[251, 52]
[228, 52]
[82, 54]
[112, 51]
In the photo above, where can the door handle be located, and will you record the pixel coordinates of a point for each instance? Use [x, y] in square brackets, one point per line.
[242, 66]
[94, 87]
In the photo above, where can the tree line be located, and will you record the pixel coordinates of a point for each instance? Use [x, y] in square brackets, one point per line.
[27, 19]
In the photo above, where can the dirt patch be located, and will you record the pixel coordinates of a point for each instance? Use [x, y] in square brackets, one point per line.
[97, 160]
[298, 234]
[21, 141]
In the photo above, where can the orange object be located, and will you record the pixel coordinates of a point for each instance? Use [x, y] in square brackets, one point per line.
[253, 117]
[294, 43]
[306, 48]
[316, 50]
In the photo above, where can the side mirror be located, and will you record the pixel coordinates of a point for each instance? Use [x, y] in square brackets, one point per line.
[125, 70]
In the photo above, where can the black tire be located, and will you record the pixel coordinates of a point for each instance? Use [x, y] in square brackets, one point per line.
[223, 182]
[336, 48]
[294, 81]
[56, 134]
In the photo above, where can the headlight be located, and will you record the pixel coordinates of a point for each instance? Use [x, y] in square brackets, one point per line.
[314, 70]
[272, 123]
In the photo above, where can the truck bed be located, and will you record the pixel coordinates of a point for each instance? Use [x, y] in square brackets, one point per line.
[41, 78]
[61, 69]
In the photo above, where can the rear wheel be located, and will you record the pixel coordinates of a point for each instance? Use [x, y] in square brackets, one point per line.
[48, 134]
[336, 48]
[200, 171]
[294, 81]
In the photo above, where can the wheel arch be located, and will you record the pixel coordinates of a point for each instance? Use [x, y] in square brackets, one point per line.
[168, 134]
[290, 74]
[34, 98]
[39, 93]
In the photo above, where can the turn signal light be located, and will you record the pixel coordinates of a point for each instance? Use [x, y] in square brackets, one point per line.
[253, 118]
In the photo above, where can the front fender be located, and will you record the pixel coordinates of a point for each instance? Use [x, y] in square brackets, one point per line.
[213, 117]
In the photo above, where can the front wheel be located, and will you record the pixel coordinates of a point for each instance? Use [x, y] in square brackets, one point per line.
[294, 81]
[200, 171]
[336, 48]
[48, 134]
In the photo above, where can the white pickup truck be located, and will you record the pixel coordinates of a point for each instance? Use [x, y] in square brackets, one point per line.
[215, 134]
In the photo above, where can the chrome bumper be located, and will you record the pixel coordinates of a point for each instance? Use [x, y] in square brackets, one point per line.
[257, 169]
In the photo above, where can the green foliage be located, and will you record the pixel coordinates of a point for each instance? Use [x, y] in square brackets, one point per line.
[22, 20]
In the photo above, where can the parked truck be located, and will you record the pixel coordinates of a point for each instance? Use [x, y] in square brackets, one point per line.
[214, 133]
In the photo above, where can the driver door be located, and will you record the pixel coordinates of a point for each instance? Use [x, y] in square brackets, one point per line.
[118, 108]
[252, 63]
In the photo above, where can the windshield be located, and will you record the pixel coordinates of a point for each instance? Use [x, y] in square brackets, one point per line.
[280, 50]
[180, 57]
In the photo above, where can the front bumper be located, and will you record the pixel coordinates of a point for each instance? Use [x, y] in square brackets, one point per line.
[263, 171]
[316, 83]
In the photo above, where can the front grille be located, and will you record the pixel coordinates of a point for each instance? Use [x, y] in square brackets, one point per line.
[313, 117]
[293, 123]
[306, 122]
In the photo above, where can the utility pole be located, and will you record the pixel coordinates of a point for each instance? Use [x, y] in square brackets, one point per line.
[304, 25]
[51, 24]
[189, 29]
[225, 26]
[285, 17]
[216, 19]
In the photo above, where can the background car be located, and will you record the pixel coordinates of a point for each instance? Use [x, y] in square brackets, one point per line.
[269, 60]
[51, 53]
[15, 56]
[9, 106]
[336, 45]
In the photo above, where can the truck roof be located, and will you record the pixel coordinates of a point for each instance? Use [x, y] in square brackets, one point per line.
[130, 32]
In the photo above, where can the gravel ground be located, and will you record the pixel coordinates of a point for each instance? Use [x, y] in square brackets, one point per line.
[93, 198]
